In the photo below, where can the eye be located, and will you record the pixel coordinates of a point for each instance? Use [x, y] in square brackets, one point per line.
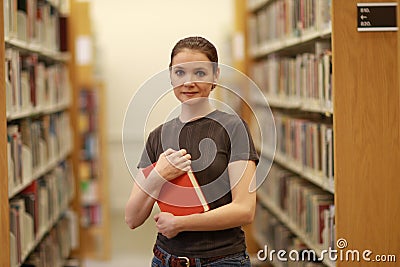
[200, 73]
[179, 73]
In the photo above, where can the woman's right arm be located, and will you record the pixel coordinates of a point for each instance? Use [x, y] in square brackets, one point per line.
[170, 165]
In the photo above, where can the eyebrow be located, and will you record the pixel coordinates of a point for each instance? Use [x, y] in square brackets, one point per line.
[183, 68]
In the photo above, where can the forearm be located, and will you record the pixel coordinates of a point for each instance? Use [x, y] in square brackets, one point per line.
[142, 199]
[224, 217]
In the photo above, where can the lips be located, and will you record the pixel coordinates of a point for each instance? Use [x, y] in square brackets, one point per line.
[189, 93]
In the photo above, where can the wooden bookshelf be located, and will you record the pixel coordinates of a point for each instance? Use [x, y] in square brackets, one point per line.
[366, 126]
[52, 112]
[4, 209]
[95, 237]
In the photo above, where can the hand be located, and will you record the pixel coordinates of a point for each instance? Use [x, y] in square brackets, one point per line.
[167, 224]
[172, 163]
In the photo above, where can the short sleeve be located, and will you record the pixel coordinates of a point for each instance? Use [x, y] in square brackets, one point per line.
[242, 145]
[148, 155]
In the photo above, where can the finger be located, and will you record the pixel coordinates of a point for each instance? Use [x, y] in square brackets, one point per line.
[183, 161]
[178, 154]
[187, 168]
[179, 158]
[176, 159]
[169, 151]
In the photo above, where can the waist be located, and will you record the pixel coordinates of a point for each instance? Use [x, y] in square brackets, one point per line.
[183, 261]
[203, 244]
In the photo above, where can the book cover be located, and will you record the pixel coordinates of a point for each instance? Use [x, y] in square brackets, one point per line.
[30, 195]
[181, 196]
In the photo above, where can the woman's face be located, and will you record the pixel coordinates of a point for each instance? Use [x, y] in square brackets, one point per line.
[192, 75]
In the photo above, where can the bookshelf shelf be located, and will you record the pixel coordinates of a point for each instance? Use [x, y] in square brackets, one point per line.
[302, 105]
[38, 111]
[43, 232]
[286, 43]
[39, 173]
[306, 173]
[37, 49]
[255, 5]
[292, 226]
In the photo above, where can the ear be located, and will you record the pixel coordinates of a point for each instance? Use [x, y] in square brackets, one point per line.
[216, 75]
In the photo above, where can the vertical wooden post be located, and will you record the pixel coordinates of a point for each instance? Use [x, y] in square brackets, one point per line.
[4, 207]
[366, 135]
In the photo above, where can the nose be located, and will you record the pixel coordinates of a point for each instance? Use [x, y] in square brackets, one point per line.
[188, 84]
[189, 80]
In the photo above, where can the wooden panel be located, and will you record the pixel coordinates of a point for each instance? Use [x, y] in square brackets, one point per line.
[74, 112]
[81, 26]
[366, 129]
[4, 212]
[104, 180]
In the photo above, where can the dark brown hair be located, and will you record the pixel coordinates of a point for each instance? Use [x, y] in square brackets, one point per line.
[199, 44]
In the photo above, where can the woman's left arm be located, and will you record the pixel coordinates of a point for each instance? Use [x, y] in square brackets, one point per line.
[237, 213]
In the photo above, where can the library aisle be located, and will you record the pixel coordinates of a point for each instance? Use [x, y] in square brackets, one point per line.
[68, 75]
[128, 248]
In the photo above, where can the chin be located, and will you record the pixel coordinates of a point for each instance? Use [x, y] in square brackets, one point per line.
[194, 100]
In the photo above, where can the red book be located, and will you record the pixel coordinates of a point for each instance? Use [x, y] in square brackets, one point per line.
[181, 196]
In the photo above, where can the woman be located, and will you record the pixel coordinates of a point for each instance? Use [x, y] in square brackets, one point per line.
[218, 148]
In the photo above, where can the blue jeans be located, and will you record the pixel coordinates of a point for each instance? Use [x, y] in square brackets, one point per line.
[235, 260]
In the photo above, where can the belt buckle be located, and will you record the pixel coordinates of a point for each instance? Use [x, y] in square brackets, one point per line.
[186, 259]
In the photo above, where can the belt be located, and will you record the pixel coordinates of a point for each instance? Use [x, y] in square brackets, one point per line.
[176, 261]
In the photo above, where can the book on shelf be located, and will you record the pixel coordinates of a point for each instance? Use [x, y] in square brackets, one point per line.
[15, 140]
[32, 84]
[30, 195]
[280, 20]
[21, 225]
[55, 248]
[33, 22]
[316, 204]
[180, 196]
[305, 205]
[304, 79]
[91, 214]
[37, 207]
[35, 143]
[307, 143]
[275, 235]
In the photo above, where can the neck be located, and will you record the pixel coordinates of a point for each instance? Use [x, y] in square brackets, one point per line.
[196, 109]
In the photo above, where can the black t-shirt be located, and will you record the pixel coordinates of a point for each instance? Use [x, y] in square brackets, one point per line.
[213, 142]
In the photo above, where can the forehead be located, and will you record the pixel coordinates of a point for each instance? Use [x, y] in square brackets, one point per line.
[188, 55]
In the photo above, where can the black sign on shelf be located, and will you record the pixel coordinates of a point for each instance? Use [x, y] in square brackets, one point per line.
[377, 17]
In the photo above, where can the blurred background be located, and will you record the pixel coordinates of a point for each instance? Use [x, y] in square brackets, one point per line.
[72, 67]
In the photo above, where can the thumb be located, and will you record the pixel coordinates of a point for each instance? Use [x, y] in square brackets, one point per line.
[156, 217]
